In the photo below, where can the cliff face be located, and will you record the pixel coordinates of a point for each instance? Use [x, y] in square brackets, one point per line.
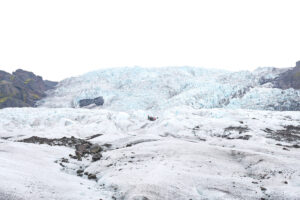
[22, 88]
[289, 79]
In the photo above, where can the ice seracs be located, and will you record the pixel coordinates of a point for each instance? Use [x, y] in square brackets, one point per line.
[161, 134]
[161, 88]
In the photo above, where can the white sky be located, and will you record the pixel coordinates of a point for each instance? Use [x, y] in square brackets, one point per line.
[62, 38]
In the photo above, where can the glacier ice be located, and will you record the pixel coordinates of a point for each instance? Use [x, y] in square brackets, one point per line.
[185, 154]
[132, 88]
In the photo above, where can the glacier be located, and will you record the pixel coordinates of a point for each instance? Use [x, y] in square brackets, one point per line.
[186, 154]
[133, 88]
[218, 135]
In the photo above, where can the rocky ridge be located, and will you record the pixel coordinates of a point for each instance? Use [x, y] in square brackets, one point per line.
[22, 88]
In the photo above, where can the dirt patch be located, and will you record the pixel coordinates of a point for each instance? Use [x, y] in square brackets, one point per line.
[83, 150]
[82, 147]
[238, 129]
[64, 141]
[290, 133]
[5, 138]
[236, 132]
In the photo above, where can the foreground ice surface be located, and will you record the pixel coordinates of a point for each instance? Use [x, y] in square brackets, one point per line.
[186, 154]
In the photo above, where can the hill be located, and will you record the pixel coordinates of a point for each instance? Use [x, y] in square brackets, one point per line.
[22, 88]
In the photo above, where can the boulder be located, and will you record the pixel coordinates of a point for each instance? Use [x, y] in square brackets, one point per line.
[96, 157]
[85, 102]
[99, 101]
[92, 176]
[82, 149]
[95, 148]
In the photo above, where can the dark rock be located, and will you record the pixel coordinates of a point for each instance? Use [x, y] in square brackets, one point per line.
[93, 136]
[65, 160]
[96, 157]
[289, 133]
[82, 149]
[237, 129]
[92, 176]
[78, 155]
[244, 137]
[85, 102]
[95, 148]
[263, 188]
[50, 84]
[5, 138]
[22, 89]
[64, 141]
[107, 145]
[289, 79]
[229, 133]
[72, 156]
[99, 101]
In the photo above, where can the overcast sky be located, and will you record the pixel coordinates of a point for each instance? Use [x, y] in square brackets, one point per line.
[62, 38]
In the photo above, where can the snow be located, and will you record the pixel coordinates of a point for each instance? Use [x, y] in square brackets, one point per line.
[187, 153]
[219, 135]
[137, 88]
[28, 171]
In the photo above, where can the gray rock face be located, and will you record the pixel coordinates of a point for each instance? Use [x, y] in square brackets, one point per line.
[22, 88]
[285, 80]
[289, 79]
[86, 102]
[99, 101]
[50, 84]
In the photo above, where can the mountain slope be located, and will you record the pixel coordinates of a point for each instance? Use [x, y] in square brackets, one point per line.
[22, 88]
[289, 79]
[161, 88]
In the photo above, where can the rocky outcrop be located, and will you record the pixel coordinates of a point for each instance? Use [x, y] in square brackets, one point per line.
[22, 88]
[99, 101]
[289, 79]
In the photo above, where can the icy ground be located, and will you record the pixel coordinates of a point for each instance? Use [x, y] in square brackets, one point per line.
[186, 154]
[162, 88]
